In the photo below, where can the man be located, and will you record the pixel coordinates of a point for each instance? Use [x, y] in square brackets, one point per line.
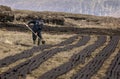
[37, 28]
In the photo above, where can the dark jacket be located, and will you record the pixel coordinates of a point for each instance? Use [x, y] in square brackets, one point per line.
[37, 25]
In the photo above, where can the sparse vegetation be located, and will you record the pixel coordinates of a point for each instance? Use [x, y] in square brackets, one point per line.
[75, 43]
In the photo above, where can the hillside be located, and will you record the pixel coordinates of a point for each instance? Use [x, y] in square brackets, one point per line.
[77, 46]
[63, 22]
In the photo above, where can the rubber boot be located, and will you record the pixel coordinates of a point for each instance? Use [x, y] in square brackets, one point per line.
[38, 41]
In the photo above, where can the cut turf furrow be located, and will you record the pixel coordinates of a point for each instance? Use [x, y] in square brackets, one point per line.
[113, 71]
[74, 61]
[31, 64]
[81, 56]
[28, 53]
[93, 66]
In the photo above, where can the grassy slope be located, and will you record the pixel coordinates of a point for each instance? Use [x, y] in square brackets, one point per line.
[77, 20]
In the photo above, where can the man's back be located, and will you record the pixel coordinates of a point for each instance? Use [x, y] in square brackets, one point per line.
[37, 25]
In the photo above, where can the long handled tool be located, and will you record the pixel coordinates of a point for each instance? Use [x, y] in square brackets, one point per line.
[43, 42]
[31, 30]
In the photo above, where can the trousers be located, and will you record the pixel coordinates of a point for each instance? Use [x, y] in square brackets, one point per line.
[34, 37]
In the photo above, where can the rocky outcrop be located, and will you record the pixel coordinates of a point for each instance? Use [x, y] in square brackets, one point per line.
[6, 14]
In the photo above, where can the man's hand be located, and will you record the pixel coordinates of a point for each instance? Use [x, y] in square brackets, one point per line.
[36, 34]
